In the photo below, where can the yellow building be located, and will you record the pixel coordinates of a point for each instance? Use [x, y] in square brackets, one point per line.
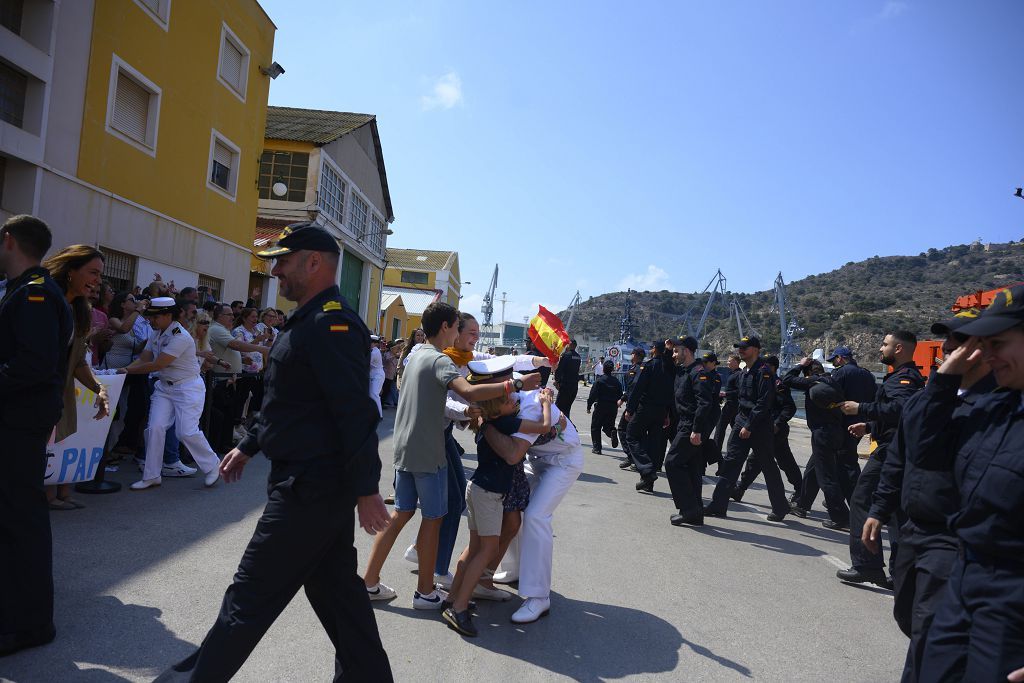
[413, 279]
[327, 167]
[152, 136]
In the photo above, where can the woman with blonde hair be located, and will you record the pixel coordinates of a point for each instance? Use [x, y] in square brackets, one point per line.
[77, 270]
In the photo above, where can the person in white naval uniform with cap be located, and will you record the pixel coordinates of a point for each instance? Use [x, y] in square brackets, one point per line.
[553, 463]
[178, 396]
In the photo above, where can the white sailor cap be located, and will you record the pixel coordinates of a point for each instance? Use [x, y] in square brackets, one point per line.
[491, 369]
[159, 304]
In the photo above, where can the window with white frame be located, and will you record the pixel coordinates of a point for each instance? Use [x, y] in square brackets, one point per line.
[223, 166]
[133, 107]
[332, 194]
[376, 238]
[233, 67]
[357, 217]
[158, 10]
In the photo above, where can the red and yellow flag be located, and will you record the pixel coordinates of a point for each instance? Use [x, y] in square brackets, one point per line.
[548, 334]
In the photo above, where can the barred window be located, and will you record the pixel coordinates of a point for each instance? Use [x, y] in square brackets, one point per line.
[413, 277]
[119, 269]
[213, 286]
[332, 194]
[289, 168]
[357, 219]
[376, 234]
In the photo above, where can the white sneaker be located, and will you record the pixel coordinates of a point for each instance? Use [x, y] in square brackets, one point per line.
[532, 610]
[411, 555]
[506, 577]
[496, 594]
[444, 580]
[145, 484]
[211, 477]
[177, 469]
[381, 592]
[431, 600]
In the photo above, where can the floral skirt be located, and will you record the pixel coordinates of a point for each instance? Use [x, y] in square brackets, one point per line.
[518, 497]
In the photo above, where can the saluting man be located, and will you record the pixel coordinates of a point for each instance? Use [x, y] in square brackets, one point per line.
[178, 396]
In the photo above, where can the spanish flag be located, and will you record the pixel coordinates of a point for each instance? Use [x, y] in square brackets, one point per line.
[548, 334]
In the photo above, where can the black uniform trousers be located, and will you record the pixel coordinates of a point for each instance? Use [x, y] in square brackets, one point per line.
[726, 419]
[684, 469]
[303, 540]
[860, 505]
[566, 395]
[823, 474]
[644, 437]
[602, 419]
[920, 572]
[783, 457]
[26, 549]
[760, 443]
[621, 428]
[978, 630]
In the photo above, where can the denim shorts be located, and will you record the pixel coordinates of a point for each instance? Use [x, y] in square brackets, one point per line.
[429, 489]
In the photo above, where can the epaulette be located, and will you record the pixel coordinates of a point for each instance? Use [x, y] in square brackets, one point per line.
[176, 330]
[332, 306]
[38, 280]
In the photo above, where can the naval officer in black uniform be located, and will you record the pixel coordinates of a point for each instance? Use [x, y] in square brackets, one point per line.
[978, 630]
[35, 331]
[318, 427]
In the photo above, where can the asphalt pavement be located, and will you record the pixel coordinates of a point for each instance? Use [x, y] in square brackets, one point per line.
[140, 576]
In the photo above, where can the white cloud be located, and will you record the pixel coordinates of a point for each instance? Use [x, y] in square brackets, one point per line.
[446, 93]
[652, 280]
[893, 8]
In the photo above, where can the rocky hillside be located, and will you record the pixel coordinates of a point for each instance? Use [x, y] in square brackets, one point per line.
[853, 305]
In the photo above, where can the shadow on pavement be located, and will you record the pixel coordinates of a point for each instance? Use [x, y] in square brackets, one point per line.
[115, 636]
[763, 541]
[595, 478]
[590, 641]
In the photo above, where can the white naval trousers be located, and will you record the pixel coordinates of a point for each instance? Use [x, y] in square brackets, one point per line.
[550, 477]
[376, 384]
[182, 405]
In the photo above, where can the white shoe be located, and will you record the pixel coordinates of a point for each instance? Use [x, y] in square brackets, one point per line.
[506, 577]
[211, 477]
[432, 600]
[532, 610]
[381, 592]
[177, 469]
[145, 484]
[411, 555]
[444, 580]
[496, 594]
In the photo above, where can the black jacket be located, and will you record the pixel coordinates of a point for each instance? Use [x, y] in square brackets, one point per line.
[732, 390]
[568, 371]
[856, 384]
[982, 445]
[756, 394]
[605, 389]
[35, 336]
[696, 399]
[885, 411]
[629, 379]
[654, 386]
[316, 401]
[785, 406]
[926, 496]
[817, 417]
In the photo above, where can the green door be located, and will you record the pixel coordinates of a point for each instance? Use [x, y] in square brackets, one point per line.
[351, 281]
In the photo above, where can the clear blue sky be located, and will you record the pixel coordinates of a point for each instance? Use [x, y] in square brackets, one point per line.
[748, 136]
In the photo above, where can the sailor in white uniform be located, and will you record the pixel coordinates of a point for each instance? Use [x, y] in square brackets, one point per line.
[178, 396]
[552, 465]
